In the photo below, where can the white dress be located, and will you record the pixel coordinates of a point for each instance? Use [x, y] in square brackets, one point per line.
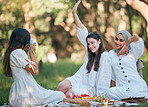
[93, 83]
[124, 72]
[25, 91]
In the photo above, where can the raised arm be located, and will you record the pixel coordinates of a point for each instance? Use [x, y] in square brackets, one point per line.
[34, 70]
[76, 18]
[134, 38]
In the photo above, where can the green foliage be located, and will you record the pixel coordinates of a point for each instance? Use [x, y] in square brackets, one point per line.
[11, 17]
[42, 25]
[137, 20]
[41, 52]
[42, 7]
[145, 69]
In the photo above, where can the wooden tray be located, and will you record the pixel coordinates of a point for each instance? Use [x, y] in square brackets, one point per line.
[85, 102]
[75, 101]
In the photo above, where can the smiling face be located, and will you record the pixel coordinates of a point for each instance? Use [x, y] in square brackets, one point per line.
[93, 44]
[119, 41]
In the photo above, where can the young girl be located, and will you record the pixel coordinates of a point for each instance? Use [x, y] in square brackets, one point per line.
[125, 78]
[94, 76]
[25, 91]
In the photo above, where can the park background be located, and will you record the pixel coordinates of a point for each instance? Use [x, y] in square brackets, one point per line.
[51, 24]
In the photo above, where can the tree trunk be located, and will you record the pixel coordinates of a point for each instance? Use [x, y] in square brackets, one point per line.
[28, 15]
[130, 14]
[122, 23]
[109, 29]
[141, 7]
[61, 39]
[91, 19]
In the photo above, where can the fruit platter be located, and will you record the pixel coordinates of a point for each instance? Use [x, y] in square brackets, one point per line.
[86, 100]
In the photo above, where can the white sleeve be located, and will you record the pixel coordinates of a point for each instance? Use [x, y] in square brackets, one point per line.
[82, 34]
[18, 58]
[137, 48]
[103, 75]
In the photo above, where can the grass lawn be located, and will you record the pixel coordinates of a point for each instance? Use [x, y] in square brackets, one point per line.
[51, 74]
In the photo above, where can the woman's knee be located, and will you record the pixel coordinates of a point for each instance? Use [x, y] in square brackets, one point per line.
[115, 93]
[64, 85]
[110, 93]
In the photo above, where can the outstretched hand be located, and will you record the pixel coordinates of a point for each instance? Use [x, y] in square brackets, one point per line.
[124, 49]
[76, 6]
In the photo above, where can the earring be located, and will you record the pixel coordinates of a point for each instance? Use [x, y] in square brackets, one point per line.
[99, 41]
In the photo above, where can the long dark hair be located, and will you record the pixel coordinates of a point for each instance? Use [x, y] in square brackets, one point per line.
[92, 57]
[19, 38]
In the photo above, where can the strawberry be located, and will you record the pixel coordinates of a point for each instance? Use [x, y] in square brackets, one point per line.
[74, 96]
[68, 96]
[86, 95]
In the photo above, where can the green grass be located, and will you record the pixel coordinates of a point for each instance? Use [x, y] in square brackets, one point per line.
[145, 69]
[51, 74]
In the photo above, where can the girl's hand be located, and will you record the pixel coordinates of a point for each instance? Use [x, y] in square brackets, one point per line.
[33, 47]
[35, 70]
[76, 6]
[32, 50]
[124, 49]
[134, 38]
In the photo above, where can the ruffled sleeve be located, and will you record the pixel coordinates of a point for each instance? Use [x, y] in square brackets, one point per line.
[18, 59]
[104, 74]
[137, 48]
[82, 34]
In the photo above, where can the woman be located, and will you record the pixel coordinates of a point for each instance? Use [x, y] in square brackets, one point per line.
[125, 78]
[94, 76]
[25, 91]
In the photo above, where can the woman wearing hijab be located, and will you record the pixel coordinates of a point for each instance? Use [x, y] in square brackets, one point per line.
[127, 82]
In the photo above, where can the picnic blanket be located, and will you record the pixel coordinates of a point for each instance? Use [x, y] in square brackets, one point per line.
[107, 102]
[104, 102]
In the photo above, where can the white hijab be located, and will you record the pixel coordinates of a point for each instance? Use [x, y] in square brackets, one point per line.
[126, 36]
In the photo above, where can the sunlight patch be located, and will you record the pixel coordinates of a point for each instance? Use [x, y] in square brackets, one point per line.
[60, 78]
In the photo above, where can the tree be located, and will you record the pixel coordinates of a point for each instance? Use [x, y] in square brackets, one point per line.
[141, 7]
[29, 25]
[11, 17]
